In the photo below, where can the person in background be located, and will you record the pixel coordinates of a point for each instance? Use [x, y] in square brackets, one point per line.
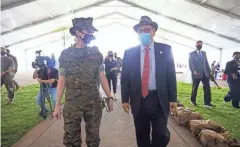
[233, 72]
[111, 72]
[198, 64]
[49, 77]
[148, 83]
[54, 60]
[217, 70]
[16, 85]
[7, 67]
[119, 64]
[213, 68]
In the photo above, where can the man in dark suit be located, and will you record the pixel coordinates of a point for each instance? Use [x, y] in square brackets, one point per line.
[232, 69]
[201, 71]
[149, 83]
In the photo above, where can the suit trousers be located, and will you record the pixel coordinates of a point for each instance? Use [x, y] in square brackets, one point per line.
[235, 93]
[206, 89]
[150, 117]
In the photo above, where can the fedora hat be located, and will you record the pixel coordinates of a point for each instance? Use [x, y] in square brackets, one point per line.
[82, 23]
[145, 20]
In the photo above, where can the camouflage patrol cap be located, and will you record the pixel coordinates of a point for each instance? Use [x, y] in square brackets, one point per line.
[3, 50]
[82, 23]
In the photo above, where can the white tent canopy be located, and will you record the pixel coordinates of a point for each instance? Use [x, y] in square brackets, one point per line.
[28, 24]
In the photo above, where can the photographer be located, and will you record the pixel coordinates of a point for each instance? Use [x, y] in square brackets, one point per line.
[233, 72]
[50, 76]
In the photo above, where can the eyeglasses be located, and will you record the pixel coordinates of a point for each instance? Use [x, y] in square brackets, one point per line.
[145, 30]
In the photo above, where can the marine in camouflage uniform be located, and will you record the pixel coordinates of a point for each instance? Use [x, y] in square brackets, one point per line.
[80, 67]
[16, 68]
[7, 65]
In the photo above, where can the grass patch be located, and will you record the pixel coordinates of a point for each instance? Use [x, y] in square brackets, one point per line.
[223, 114]
[21, 117]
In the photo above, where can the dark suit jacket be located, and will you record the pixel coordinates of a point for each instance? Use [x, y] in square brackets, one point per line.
[199, 65]
[231, 68]
[165, 77]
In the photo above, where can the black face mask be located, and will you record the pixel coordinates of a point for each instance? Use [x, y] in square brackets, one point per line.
[237, 58]
[110, 55]
[199, 47]
[88, 38]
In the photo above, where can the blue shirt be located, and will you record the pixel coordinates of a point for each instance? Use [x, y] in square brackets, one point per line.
[152, 78]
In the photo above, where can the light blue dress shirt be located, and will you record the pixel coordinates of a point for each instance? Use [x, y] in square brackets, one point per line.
[152, 78]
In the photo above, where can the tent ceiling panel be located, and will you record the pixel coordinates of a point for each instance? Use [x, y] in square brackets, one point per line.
[170, 7]
[236, 11]
[210, 38]
[235, 32]
[178, 27]
[100, 23]
[58, 7]
[53, 14]
[222, 4]
[50, 26]
[8, 4]
[27, 14]
[49, 16]
[222, 24]
[126, 20]
[193, 16]
[226, 20]
[165, 7]
[9, 21]
[56, 35]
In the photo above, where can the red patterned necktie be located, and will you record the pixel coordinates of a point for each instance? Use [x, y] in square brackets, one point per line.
[146, 73]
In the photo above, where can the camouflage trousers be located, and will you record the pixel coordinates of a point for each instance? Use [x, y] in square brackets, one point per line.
[14, 81]
[73, 115]
[8, 82]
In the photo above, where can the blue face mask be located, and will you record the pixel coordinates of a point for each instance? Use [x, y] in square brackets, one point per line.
[145, 38]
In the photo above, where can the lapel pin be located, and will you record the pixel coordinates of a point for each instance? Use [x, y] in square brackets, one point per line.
[161, 52]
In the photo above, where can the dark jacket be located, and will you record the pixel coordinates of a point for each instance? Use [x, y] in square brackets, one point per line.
[231, 68]
[165, 77]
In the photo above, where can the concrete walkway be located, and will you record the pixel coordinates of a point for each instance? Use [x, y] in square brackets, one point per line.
[117, 130]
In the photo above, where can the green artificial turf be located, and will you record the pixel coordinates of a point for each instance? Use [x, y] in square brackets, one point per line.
[21, 117]
[223, 114]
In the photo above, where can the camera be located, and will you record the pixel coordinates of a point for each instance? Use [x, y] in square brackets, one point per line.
[41, 63]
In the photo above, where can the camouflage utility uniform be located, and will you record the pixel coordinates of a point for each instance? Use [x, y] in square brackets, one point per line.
[6, 79]
[81, 70]
[14, 59]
